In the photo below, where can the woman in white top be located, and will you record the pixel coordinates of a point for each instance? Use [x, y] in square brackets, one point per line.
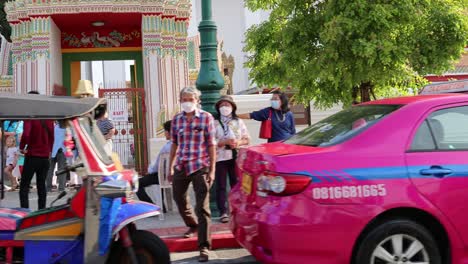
[231, 133]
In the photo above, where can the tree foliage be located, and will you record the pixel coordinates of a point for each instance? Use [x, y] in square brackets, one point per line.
[339, 50]
[5, 29]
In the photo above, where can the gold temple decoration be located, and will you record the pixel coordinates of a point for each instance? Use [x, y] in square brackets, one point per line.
[228, 71]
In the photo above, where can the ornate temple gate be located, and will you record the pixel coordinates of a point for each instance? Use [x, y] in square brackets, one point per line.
[127, 110]
[51, 37]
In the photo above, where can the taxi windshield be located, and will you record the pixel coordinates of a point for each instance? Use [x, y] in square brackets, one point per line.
[341, 126]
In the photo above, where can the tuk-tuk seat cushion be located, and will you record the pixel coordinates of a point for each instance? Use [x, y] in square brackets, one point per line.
[10, 216]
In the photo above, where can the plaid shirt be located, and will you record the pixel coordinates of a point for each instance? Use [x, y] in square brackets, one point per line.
[193, 139]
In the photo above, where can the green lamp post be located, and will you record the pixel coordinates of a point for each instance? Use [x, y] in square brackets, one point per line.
[209, 80]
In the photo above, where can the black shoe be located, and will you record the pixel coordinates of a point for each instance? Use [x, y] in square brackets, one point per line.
[224, 218]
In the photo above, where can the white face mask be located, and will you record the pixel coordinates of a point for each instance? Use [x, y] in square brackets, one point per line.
[275, 104]
[225, 110]
[188, 107]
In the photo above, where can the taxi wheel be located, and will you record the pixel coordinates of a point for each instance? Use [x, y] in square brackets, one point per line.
[398, 241]
[148, 247]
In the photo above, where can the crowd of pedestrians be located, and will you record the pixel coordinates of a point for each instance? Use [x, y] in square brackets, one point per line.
[35, 148]
[202, 150]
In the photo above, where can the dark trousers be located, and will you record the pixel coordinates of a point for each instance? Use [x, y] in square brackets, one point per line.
[61, 160]
[145, 181]
[39, 166]
[224, 170]
[180, 185]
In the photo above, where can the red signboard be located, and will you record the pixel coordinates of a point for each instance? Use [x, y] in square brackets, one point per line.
[101, 39]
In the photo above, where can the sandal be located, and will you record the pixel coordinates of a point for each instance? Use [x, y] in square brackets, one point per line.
[204, 256]
[191, 232]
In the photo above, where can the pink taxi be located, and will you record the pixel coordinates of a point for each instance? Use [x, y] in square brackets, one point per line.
[381, 182]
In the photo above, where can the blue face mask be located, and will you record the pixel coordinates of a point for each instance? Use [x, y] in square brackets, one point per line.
[275, 104]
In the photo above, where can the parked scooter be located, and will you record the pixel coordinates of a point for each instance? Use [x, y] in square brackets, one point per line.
[97, 224]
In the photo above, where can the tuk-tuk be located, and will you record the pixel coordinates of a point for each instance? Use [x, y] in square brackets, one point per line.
[96, 225]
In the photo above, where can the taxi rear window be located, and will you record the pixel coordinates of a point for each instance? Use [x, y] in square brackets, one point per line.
[341, 126]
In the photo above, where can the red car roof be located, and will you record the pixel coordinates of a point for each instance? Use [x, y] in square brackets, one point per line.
[411, 99]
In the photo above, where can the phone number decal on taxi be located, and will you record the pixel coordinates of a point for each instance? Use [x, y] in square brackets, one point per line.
[355, 191]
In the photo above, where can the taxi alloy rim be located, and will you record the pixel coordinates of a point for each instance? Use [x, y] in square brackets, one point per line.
[400, 249]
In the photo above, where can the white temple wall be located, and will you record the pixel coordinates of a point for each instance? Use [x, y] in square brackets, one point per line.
[232, 19]
[153, 90]
[182, 73]
[55, 57]
[5, 49]
[168, 84]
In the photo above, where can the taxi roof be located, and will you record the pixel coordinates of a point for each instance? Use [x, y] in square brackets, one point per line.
[404, 100]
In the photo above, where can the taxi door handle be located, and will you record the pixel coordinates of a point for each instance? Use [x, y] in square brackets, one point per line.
[436, 171]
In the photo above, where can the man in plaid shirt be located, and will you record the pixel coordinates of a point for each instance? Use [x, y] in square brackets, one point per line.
[193, 160]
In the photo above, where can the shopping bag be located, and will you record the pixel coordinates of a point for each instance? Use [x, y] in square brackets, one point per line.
[265, 128]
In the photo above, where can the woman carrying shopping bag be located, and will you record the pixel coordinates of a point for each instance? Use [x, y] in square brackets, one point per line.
[277, 119]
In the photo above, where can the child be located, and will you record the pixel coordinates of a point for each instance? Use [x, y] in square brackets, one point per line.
[11, 159]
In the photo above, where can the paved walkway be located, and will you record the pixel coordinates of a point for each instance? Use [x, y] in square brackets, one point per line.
[222, 256]
[171, 228]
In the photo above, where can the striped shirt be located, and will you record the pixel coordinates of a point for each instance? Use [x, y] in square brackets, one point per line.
[105, 125]
[193, 137]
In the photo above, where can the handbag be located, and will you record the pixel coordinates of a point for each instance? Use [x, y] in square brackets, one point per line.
[234, 151]
[265, 128]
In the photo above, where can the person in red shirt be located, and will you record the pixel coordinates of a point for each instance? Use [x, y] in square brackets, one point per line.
[36, 144]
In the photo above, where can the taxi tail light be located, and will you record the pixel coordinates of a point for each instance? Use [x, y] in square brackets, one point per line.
[281, 184]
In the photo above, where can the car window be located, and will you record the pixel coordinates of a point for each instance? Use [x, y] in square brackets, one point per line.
[341, 126]
[450, 128]
[423, 140]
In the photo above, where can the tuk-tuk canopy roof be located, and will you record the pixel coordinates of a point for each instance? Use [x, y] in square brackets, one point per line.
[34, 106]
